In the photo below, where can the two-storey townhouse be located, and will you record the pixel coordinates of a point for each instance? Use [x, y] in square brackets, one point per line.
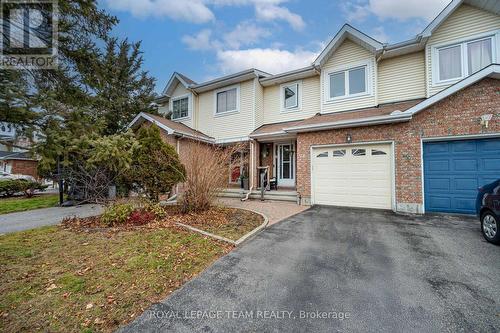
[412, 126]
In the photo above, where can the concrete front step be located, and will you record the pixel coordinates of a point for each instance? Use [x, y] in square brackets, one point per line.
[290, 196]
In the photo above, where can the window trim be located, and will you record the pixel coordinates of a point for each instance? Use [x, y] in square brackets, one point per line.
[345, 70]
[225, 113]
[296, 108]
[494, 36]
[171, 106]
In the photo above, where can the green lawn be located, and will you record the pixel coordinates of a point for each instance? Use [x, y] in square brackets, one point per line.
[58, 280]
[20, 204]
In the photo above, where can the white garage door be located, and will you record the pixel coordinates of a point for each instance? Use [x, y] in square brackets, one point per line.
[354, 176]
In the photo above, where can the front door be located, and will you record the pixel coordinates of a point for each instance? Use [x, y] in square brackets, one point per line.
[285, 158]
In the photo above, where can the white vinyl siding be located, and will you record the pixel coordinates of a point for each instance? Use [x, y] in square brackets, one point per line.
[465, 23]
[401, 78]
[230, 126]
[349, 55]
[309, 102]
[259, 103]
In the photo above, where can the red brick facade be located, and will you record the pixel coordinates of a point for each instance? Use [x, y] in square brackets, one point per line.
[24, 167]
[456, 115]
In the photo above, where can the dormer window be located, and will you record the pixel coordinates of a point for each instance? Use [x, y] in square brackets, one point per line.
[180, 107]
[459, 60]
[351, 82]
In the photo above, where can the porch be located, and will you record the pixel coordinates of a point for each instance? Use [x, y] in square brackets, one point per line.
[268, 162]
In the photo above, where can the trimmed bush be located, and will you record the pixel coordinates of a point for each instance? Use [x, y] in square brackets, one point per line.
[117, 213]
[9, 187]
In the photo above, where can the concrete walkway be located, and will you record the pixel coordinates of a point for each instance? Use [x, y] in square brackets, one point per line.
[45, 216]
[274, 210]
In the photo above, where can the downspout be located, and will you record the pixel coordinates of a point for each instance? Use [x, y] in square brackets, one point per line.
[178, 146]
[252, 169]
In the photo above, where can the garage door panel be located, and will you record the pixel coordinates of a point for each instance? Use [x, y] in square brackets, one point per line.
[465, 165]
[439, 165]
[473, 163]
[439, 184]
[465, 184]
[491, 164]
[354, 181]
[463, 147]
[489, 145]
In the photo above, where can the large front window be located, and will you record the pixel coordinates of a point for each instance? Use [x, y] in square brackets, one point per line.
[463, 59]
[348, 83]
[180, 108]
[227, 101]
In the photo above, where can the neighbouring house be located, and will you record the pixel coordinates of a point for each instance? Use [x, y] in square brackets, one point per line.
[411, 127]
[14, 155]
[18, 163]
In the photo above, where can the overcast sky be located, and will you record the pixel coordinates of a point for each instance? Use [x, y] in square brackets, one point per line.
[204, 39]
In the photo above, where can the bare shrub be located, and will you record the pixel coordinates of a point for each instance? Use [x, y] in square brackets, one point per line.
[207, 172]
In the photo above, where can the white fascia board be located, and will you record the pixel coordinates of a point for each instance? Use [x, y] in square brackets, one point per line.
[491, 70]
[232, 140]
[152, 120]
[443, 15]
[277, 133]
[400, 117]
[294, 75]
[174, 77]
[194, 137]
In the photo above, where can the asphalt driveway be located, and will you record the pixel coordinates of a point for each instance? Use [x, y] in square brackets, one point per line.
[36, 218]
[334, 269]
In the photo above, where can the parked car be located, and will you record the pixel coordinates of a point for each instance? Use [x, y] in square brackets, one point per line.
[5, 175]
[488, 211]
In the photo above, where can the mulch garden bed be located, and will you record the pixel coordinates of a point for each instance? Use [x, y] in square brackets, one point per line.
[230, 223]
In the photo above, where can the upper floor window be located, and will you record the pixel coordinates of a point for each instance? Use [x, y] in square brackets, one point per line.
[463, 59]
[348, 83]
[290, 97]
[226, 100]
[180, 107]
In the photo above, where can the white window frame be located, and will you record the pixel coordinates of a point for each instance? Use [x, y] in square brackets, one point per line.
[237, 110]
[296, 108]
[345, 70]
[171, 106]
[494, 36]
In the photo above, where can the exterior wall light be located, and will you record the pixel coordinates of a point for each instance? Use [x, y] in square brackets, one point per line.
[348, 138]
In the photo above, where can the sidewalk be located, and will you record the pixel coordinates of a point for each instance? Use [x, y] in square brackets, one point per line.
[45, 216]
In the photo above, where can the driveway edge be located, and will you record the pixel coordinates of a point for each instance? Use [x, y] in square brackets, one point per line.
[224, 239]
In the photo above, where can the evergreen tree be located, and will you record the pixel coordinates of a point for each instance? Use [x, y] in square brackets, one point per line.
[122, 89]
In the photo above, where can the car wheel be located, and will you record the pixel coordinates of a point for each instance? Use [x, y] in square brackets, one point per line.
[489, 227]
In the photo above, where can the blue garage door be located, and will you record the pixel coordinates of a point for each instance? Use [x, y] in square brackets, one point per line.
[453, 170]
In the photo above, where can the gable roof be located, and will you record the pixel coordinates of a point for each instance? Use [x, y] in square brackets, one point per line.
[171, 127]
[412, 45]
[229, 79]
[353, 34]
[175, 79]
[19, 155]
[488, 5]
